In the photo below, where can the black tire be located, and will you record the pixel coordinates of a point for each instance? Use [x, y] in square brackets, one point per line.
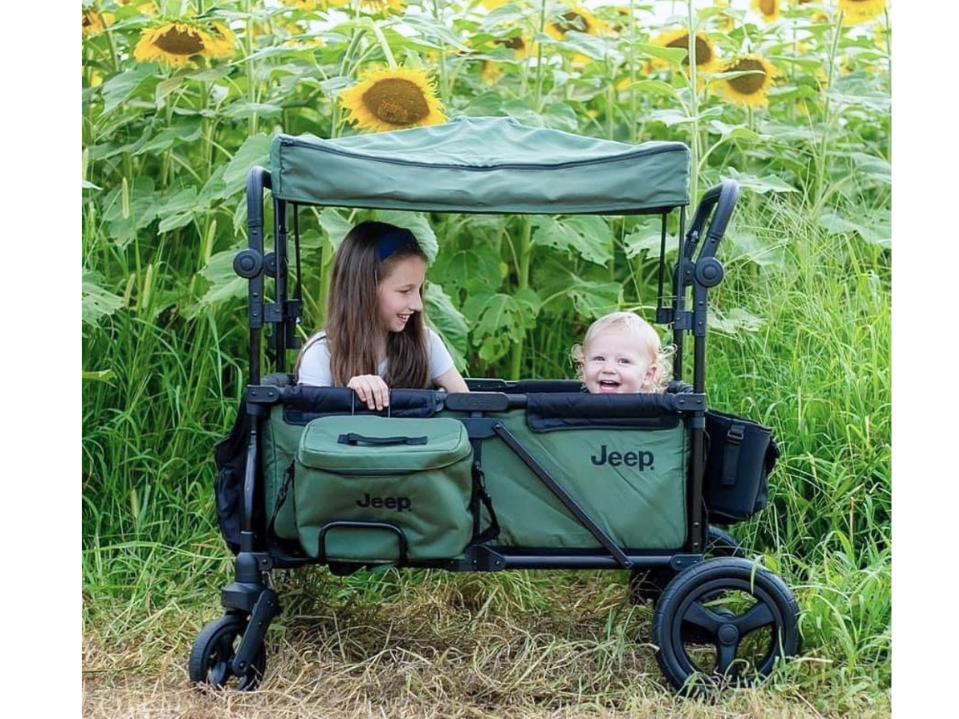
[751, 621]
[213, 652]
[647, 585]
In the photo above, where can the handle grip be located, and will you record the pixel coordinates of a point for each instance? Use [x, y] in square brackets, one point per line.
[354, 439]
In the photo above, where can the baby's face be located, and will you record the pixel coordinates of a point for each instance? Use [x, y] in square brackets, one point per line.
[617, 362]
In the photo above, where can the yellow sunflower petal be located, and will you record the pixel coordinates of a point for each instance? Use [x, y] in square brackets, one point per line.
[857, 12]
[222, 43]
[749, 90]
[392, 99]
[94, 22]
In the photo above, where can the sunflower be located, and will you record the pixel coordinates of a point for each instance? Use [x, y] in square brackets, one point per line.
[856, 12]
[176, 43]
[706, 59]
[493, 4]
[769, 9]
[310, 5]
[491, 72]
[94, 23]
[392, 99]
[749, 90]
[384, 7]
[578, 19]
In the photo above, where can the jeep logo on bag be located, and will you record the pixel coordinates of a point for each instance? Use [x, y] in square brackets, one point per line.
[643, 460]
[397, 503]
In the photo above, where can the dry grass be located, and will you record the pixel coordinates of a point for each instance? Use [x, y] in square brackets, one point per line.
[409, 645]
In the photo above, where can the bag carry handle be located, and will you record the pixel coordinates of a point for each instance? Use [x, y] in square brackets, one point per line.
[354, 439]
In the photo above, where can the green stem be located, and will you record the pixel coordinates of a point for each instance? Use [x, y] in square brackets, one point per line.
[444, 77]
[250, 69]
[694, 103]
[821, 184]
[634, 125]
[539, 58]
[522, 271]
[385, 46]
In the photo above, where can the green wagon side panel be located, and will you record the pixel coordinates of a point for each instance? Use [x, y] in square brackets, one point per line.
[481, 164]
[279, 444]
[639, 507]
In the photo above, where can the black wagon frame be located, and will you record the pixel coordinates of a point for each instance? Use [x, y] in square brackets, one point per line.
[251, 603]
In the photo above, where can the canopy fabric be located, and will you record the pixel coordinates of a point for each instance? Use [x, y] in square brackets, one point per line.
[481, 164]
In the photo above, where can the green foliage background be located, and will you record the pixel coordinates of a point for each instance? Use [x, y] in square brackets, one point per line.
[801, 327]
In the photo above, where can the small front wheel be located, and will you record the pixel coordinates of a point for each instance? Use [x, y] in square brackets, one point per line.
[724, 620]
[211, 661]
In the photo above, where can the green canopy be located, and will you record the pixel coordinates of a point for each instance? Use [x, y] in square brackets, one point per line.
[481, 164]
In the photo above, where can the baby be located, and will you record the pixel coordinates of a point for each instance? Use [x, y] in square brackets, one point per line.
[622, 354]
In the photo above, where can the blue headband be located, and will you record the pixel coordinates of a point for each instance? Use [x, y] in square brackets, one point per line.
[393, 241]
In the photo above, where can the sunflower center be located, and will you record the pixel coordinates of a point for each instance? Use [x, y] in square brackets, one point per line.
[515, 43]
[397, 101]
[768, 7]
[703, 52]
[748, 84]
[180, 42]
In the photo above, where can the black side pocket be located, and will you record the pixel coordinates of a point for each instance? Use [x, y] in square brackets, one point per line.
[230, 457]
[741, 455]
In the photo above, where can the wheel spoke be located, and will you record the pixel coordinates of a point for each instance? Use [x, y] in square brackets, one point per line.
[759, 616]
[727, 655]
[705, 618]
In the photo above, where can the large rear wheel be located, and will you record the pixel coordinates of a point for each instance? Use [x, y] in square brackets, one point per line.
[724, 621]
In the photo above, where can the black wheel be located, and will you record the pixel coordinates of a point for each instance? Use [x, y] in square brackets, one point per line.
[724, 620]
[647, 585]
[213, 652]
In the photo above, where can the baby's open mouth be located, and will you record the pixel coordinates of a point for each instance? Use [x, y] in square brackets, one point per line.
[608, 384]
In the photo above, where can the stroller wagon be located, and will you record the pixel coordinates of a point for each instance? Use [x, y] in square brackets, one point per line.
[528, 474]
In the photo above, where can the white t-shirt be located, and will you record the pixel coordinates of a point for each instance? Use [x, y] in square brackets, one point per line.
[315, 365]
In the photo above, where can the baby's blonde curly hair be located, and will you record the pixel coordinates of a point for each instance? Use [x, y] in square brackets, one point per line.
[660, 356]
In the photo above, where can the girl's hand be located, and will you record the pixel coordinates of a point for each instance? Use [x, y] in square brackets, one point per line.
[371, 389]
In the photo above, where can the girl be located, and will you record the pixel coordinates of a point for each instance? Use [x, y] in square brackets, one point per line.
[621, 354]
[376, 336]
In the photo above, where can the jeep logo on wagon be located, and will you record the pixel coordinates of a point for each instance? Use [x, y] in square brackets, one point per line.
[397, 503]
[638, 458]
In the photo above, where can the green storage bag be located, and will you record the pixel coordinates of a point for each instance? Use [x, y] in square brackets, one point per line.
[412, 474]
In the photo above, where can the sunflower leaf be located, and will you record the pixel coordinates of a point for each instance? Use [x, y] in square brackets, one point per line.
[500, 320]
[254, 151]
[762, 185]
[674, 55]
[586, 236]
[97, 302]
[474, 270]
[334, 225]
[223, 283]
[120, 87]
[736, 321]
[449, 323]
[243, 110]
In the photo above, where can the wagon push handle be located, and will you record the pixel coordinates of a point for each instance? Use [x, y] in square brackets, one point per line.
[723, 198]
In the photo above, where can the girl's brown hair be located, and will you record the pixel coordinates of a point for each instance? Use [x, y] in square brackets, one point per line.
[352, 317]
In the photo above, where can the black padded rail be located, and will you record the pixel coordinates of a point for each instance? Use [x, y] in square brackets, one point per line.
[302, 403]
[560, 410]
